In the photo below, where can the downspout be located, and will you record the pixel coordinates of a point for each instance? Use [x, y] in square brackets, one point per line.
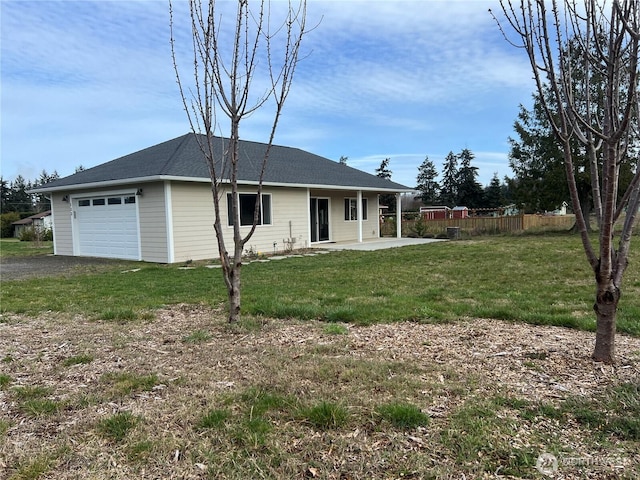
[398, 215]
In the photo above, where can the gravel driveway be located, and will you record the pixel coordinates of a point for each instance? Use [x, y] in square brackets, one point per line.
[18, 268]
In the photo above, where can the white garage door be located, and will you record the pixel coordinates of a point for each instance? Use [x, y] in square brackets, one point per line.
[107, 226]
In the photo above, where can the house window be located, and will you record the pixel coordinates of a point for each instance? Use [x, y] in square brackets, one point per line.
[98, 201]
[247, 206]
[351, 209]
[129, 200]
[114, 201]
[84, 203]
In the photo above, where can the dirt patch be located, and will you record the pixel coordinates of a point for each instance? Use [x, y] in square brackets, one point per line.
[23, 267]
[199, 363]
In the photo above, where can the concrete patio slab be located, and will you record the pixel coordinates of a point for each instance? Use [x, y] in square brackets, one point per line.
[376, 244]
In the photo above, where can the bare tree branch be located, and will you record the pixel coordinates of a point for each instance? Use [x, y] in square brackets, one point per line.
[572, 48]
[223, 80]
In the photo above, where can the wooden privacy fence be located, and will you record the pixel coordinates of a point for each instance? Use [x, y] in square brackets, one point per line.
[413, 225]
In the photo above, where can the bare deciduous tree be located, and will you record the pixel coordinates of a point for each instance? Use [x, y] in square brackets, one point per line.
[225, 65]
[572, 47]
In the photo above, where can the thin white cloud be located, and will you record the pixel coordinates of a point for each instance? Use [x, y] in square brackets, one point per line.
[95, 77]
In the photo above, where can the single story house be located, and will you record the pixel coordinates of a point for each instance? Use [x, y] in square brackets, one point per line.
[156, 204]
[40, 222]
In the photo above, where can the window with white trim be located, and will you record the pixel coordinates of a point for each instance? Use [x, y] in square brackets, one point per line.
[351, 209]
[247, 205]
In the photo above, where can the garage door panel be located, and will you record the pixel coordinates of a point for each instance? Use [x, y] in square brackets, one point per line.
[107, 227]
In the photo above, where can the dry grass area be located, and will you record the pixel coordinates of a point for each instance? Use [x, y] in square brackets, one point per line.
[184, 395]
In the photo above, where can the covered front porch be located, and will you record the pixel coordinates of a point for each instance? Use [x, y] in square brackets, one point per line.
[351, 216]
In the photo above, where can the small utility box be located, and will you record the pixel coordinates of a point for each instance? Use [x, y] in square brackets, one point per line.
[453, 233]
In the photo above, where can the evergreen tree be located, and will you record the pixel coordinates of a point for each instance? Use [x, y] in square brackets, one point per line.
[470, 192]
[4, 195]
[493, 193]
[449, 186]
[18, 200]
[426, 182]
[383, 172]
[536, 159]
[41, 202]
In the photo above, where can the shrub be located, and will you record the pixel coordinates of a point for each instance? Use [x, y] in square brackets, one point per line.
[33, 234]
[420, 228]
[47, 235]
[6, 219]
[28, 234]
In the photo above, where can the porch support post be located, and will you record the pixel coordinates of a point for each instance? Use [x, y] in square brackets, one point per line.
[359, 210]
[398, 215]
[309, 217]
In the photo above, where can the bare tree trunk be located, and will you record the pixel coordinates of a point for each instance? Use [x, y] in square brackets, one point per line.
[606, 37]
[234, 291]
[585, 207]
[606, 308]
[223, 75]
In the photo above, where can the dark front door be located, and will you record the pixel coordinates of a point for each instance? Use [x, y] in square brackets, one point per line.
[319, 219]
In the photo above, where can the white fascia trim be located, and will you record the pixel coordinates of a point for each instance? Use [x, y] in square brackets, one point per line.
[120, 182]
[329, 187]
[162, 178]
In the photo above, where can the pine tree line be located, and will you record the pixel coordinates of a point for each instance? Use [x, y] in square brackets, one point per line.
[14, 196]
[459, 185]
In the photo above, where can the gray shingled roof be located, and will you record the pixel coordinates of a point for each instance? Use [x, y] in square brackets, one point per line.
[181, 157]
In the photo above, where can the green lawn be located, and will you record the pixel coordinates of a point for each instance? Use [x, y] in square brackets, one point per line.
[12, 247]
[540, 279]
[296, 398]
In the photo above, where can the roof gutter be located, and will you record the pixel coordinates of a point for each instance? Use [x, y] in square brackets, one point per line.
[161, 178]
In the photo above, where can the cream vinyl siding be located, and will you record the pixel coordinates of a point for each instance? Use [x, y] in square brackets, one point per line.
[192, 217]
[342, 230]
[153, 225]
[62, 232]
[289, 220]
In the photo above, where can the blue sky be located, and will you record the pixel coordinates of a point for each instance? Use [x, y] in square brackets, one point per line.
[84, 82]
